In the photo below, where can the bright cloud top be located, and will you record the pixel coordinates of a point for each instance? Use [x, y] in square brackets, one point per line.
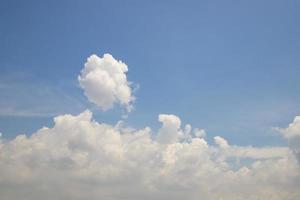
[292, 134]
[105, 83]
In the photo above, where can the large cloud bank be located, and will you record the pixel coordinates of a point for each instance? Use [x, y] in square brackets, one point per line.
[79, 158]
[104, 82]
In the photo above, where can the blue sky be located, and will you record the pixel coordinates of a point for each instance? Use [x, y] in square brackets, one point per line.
[230, 67]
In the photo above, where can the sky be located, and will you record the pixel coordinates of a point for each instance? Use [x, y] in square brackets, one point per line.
[222, 76]
[230, 67]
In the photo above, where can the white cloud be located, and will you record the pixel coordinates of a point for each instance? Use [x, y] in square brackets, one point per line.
[199, 133]
[79, 158]
[293, 130]
[221, 142]
[104, 82]
[292, 134]
[169, 132]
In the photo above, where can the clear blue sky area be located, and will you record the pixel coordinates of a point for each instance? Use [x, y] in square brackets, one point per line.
[230, 67]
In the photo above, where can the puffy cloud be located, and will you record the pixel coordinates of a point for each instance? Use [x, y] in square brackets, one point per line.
[199, 133]
[169, 132]
[104, 82]
[221, 142]
[79, 158]
[293, 130]
[292, 134]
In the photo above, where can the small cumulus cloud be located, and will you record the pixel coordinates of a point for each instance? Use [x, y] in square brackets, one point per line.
[105, 83]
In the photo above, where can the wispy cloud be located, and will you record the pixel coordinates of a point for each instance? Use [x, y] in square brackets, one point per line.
[21, 95]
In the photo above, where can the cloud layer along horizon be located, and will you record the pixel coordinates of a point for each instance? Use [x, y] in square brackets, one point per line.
[79, 158]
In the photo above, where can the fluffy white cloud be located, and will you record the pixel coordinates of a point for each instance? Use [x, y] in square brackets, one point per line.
[292, 134]
[105, 83]
[199, 133]
[79, 158]
[293, 130]
[169, 132]
[221, 142]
